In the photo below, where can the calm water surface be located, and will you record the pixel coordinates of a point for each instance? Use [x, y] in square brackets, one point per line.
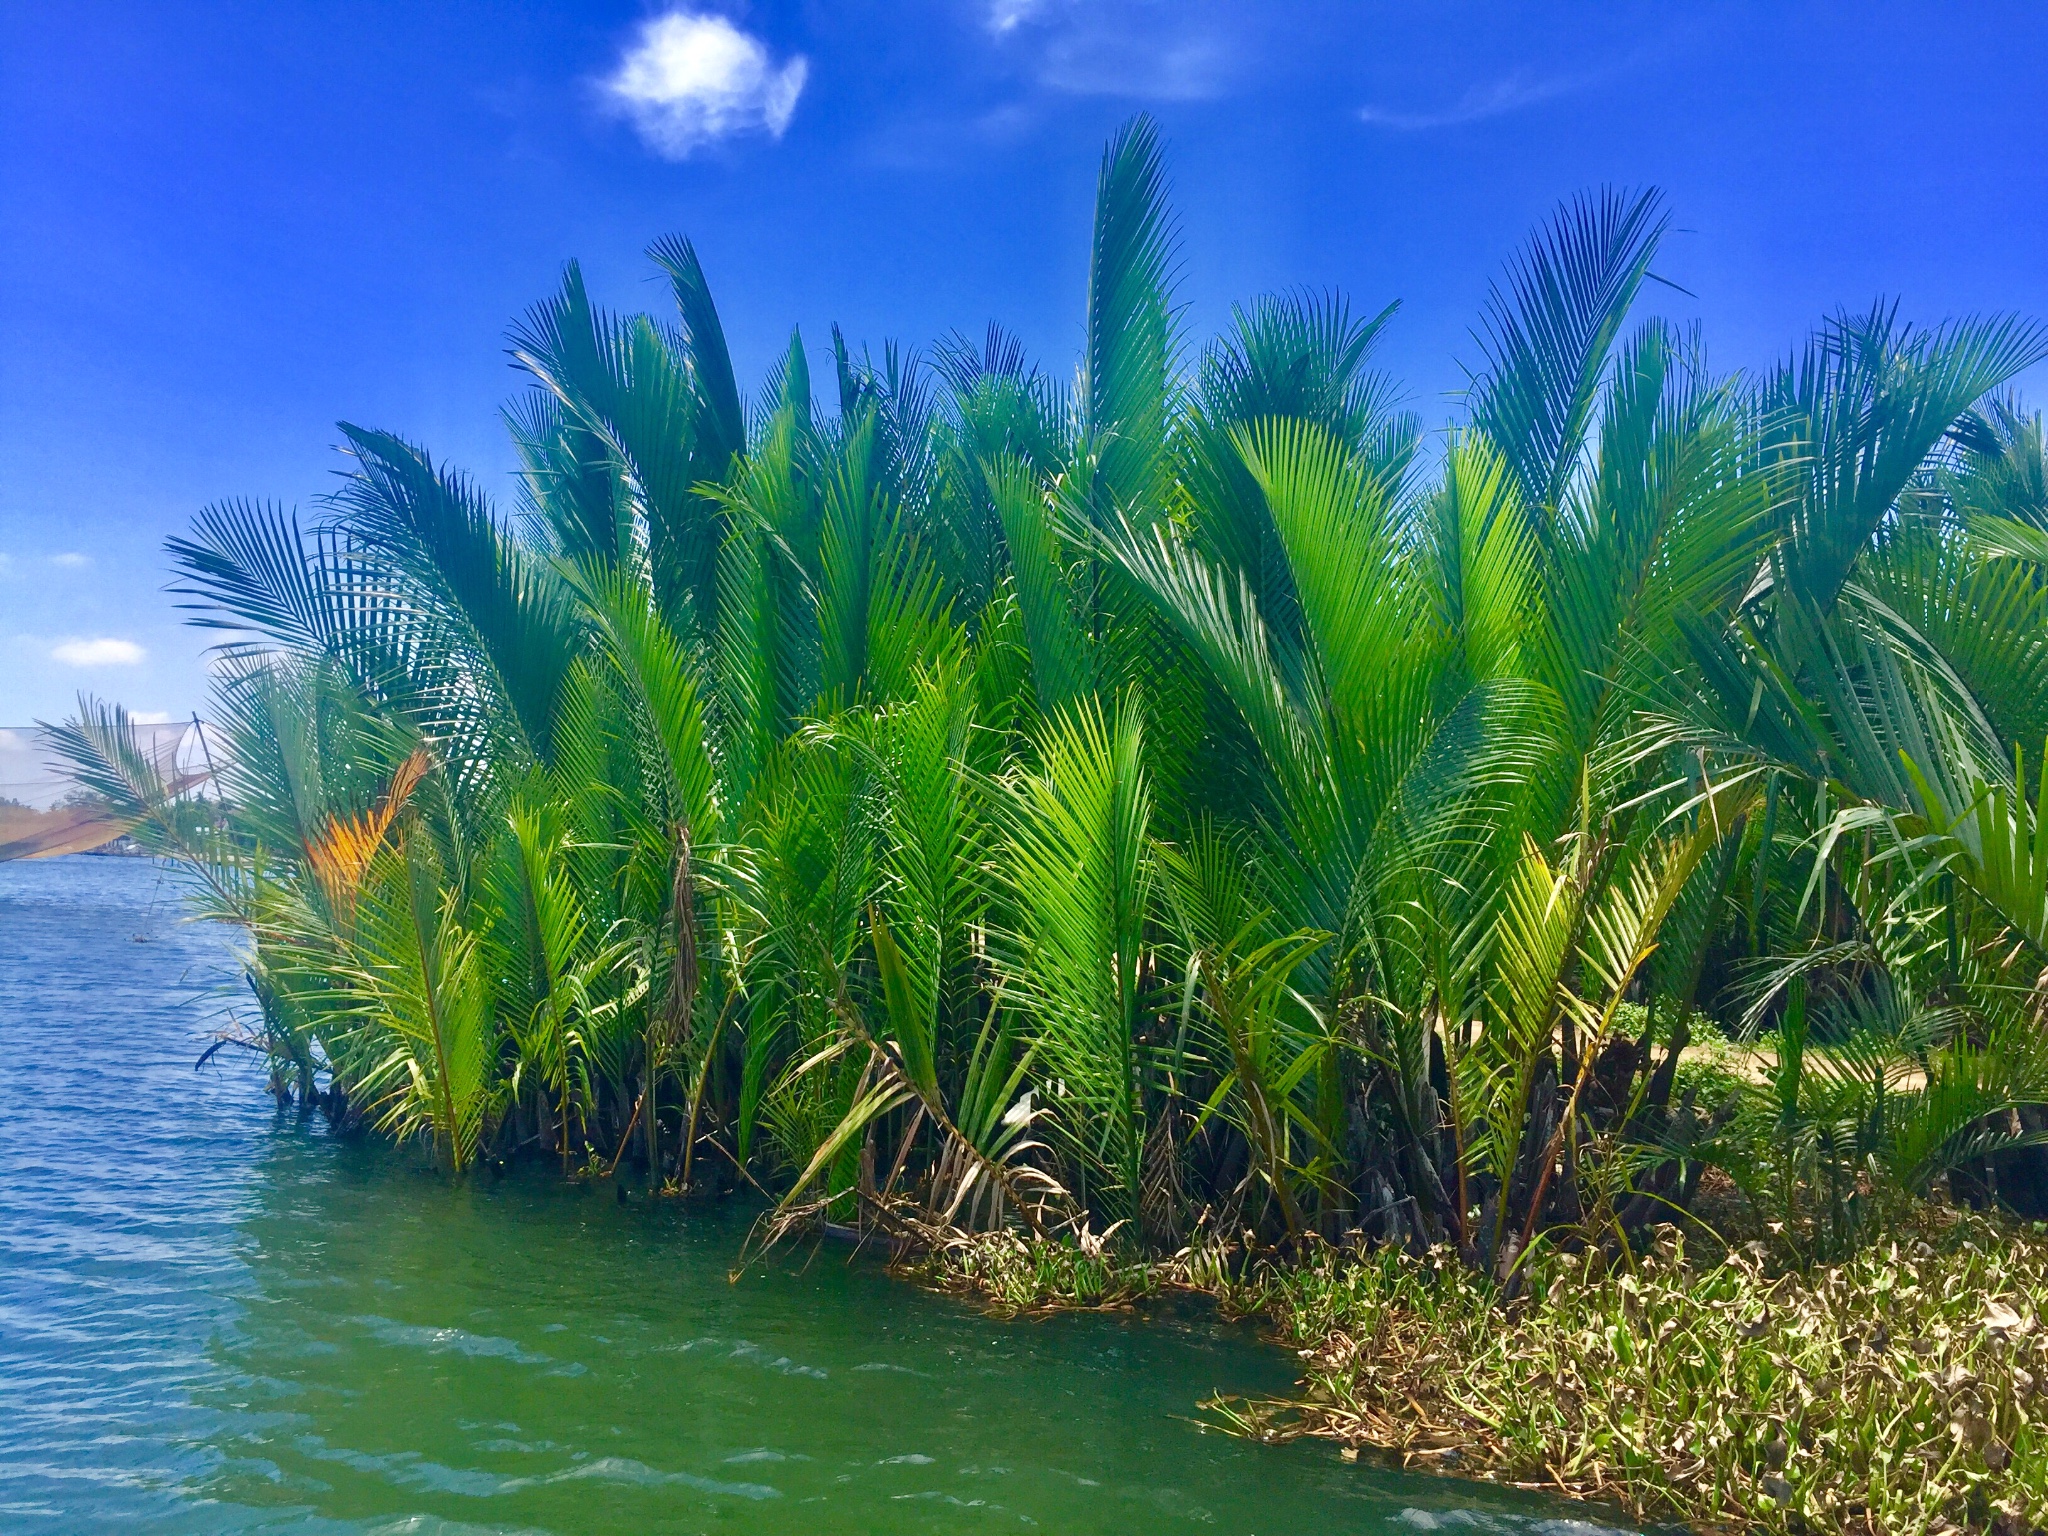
[215, 1319]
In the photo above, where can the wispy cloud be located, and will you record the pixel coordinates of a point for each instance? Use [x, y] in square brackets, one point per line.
[1007, 15]
[1139, 49]
[150, 716]
[71, 559]
[97, 653]
[1510, 94]
[695, 78]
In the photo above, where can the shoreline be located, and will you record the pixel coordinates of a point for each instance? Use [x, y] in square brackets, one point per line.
[1900, 1390]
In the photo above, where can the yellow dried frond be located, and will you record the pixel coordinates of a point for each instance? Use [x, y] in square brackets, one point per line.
[340, 853]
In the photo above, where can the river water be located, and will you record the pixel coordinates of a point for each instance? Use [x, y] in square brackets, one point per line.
[214, 1318]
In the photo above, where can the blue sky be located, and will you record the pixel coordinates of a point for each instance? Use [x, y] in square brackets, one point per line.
[222, 228]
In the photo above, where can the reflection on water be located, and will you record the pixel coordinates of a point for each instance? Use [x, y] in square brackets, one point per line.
[215, 1320]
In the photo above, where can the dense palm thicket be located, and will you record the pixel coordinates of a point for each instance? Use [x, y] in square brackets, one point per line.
[1192, 794]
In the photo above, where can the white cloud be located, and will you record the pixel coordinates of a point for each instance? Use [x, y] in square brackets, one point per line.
[71, 559]
[150, 716]
[1510, 94]
[98, 653]
[696, 78]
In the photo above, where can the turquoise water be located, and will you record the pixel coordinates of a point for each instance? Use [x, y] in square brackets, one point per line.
[215, 1318]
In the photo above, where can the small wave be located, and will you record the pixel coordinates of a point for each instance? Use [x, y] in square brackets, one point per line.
[935, 1496]
[477, 1346]
[1503, 1525]
[623, 1469]
[408, 1469]
[752, 1353]
[434, 1525]
[788, 1367]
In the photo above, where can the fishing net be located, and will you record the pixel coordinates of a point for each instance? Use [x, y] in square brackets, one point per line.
[44, 811]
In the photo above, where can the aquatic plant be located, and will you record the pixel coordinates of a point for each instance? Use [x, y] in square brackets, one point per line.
[1900, 1390]
[1192, 799]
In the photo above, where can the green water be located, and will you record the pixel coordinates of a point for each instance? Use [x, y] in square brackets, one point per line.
[216, 1319]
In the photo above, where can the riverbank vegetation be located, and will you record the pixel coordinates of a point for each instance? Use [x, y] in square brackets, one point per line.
[1900, 1389]
[1192, 799]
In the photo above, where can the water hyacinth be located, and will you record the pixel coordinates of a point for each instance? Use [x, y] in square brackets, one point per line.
[1898, 1391]
[1012, 1275]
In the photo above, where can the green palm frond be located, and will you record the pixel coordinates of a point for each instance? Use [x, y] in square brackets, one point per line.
[660, 678]
[1079, 872]
[248, 568]
[1483, 576]
[1133, 335]
[2002, 843]
[1860, 412]
[720, 426]
[502, 610]
[1338, 533]
[574, 495]
[1547, 332]
[418, 971]
[1062, 663]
